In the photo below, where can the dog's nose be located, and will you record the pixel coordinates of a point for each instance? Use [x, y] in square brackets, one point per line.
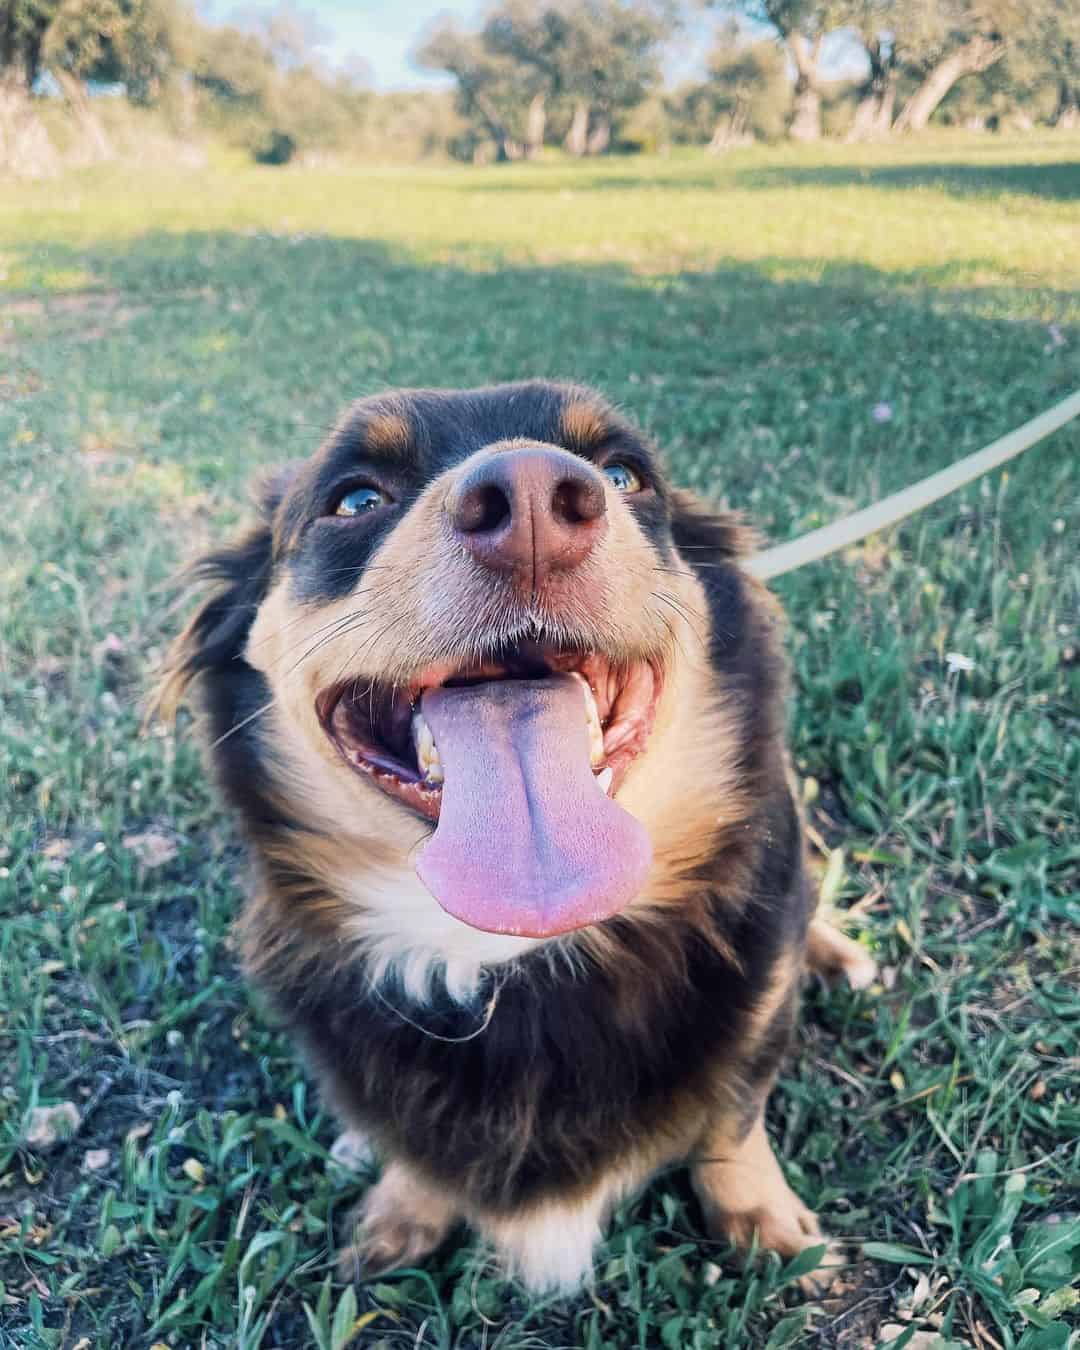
[530, 511]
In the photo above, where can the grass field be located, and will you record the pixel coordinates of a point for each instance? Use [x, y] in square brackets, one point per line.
[802, 333]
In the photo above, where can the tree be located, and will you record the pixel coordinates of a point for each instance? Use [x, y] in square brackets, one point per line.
[489, 94]
[533, 38]
[597, 59]
[942, 41]
[747, 95]
[874, 22]
[125, 41]
[609, 62]
[1049, 48]
[803, 26]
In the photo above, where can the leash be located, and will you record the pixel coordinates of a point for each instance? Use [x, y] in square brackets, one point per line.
[774, 562]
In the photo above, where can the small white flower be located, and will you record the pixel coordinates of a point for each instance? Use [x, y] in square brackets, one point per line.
[882, 412]
[957, 661]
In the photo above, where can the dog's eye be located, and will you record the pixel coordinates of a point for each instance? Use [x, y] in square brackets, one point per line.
[622, 477]
[360, 500]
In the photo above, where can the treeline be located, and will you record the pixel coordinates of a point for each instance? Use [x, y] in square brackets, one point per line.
[153, 65]
[584, 75]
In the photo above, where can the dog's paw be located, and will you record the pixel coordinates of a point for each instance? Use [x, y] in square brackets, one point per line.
[386, 1244]
[788, 1228]
[832, 956]
[399, 1222]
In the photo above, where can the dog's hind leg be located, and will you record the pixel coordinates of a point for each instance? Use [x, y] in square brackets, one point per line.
[832, 955]
[402, 1219]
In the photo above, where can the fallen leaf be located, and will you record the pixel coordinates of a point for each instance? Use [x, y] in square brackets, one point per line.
[49, 1125]
[920, 1340]
[153, 848]
[194, 1169]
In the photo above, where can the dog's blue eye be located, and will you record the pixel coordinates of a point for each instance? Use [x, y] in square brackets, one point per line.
[360, 500]
[622, 477]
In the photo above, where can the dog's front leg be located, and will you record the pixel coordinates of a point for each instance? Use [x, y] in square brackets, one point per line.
[401, 1220]
[743, 1192]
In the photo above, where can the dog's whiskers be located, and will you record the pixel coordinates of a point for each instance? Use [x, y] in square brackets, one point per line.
[239, 726]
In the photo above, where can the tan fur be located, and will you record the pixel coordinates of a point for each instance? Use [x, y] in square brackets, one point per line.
[783, 986]
[743, 1192]
[388, 434]
[585, 425]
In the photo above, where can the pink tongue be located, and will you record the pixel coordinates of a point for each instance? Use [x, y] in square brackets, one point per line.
[526, 842]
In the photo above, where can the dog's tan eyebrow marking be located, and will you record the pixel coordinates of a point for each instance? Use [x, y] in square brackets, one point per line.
[388, 434]
[584, 425]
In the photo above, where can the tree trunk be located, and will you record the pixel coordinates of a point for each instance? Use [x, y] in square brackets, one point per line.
[731, 129]
[1067, 115]
[874, 113]
[806, 118]
[25, 148]
[599, 137]
[976, 55]
[577, 138]
[506, 147]
[535, 125]
[95, 140]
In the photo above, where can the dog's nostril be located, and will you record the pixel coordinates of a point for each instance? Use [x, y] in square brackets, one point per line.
[481, 509]
[576, 501]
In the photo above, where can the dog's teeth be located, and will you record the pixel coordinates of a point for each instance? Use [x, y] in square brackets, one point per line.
[592, 718]
[427, 752]
[604, 778]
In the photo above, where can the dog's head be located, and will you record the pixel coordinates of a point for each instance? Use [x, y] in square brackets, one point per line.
[479, 634]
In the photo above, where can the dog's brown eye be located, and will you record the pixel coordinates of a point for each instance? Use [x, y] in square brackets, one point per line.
[622, 477]
[359, 501]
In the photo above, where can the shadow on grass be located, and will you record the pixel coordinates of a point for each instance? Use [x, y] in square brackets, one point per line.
[759, 380]
[1053, 181]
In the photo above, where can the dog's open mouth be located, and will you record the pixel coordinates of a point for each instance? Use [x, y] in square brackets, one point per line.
[518, 760]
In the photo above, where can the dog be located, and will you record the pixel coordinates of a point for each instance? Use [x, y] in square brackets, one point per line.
[502, 717]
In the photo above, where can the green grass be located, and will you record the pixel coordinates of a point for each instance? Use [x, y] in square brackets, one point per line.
[163, 332]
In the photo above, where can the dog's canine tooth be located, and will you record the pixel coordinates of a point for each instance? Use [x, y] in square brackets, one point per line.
[604, 778]
[592, 717]
[427, 752]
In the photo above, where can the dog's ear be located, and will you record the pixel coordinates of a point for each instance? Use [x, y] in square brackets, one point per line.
[704, 534]
[232, 581]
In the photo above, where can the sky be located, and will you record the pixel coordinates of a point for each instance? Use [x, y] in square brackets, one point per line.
[383, 34]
